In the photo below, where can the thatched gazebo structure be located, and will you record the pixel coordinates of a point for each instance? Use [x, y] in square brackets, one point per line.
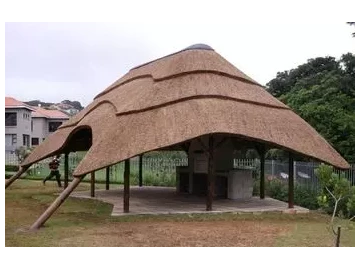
[192, 96]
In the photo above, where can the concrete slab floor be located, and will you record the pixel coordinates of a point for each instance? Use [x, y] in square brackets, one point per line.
[164, 200]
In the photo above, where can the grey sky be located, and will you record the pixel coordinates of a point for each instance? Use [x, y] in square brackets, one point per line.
[57, 61]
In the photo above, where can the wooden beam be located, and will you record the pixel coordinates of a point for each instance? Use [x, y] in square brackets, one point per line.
[56, 204]
[107, 178]
[291, 181]
[262, 172]
[185, 147]
[92, 184]
[126, 186]
[16, 176]
[140, 170]
[205, 149]
[211, 174]
[66, 170]
[221, 143]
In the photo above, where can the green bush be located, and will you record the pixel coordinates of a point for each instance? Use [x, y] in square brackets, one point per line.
[11, 168]
[256, 189]
[277, 189]
[8, 175]
[159, 179]
[350, 204]
[306, 197]
[340, 187]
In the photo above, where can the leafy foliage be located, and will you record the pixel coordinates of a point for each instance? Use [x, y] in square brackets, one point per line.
[11, 168]
[22, 152]
[336, 192]
[350, 205]
[74, 104]
[277, 189]
[322, 92]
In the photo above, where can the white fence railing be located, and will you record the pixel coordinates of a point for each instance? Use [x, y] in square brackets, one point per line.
[304, 172]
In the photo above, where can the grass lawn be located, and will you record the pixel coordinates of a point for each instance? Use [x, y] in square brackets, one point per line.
[81, 222]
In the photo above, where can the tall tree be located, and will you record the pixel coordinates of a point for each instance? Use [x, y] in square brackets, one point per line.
[322, 92]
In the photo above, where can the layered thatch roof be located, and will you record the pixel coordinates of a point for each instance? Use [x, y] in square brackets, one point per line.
[177, 98]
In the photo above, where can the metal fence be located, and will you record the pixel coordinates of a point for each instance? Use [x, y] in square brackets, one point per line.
[304, 172]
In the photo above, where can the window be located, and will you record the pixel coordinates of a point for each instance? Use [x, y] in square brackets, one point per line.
[13, 139]
[32, 126]
[53, 126]
[26, 140]
[10, 119]
[10, 139]
[34, 141]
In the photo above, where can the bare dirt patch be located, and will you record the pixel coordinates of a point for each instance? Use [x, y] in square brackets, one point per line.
[206, 233]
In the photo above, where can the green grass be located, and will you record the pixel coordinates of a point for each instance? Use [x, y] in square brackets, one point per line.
[150, 178]
[85, 222]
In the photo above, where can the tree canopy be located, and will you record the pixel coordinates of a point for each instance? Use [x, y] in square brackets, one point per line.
[322, 92]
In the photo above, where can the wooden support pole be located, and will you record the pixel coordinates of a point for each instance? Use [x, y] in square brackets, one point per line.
[262, 173]
[56, 204]
[291, 181]
[92, 184]
[66, 170]
[15, 176]
[140, 170]
[107, 180]
[126, 186]
[337, 244]
[211, 174]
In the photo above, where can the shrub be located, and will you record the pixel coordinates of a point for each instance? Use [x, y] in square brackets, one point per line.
[11, 168]
[8, 175]
[278, 189]
[350, 205]
[334, 185]
[256, 189]
[22, 152]
[305, 197]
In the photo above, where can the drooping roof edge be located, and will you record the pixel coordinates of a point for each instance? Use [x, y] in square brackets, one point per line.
[271, 143]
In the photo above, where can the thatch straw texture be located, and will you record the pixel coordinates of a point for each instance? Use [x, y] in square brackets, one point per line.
[178, 98]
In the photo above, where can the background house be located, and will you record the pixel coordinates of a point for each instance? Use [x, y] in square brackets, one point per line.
[18, 126]
[27, 125]
[45, 122]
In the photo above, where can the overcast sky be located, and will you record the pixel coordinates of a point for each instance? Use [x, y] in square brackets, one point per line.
[76, 61]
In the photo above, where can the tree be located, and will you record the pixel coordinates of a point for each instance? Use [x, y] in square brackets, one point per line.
[334, 188]
[322, 92]
[285, 80]
[22, 152]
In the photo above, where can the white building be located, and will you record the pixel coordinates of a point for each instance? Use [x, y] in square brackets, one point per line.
[17, 124]
[45, 122]
[28, 126]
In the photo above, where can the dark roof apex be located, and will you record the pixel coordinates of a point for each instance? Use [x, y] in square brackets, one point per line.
[199, 46]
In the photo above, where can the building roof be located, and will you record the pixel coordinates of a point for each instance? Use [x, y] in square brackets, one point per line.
[177, 98]
[50, 114]
[12, 103]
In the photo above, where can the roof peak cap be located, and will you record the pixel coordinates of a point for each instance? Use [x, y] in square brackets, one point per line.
[199, 46]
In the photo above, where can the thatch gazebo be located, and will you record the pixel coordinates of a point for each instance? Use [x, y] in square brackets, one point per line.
[193, 96]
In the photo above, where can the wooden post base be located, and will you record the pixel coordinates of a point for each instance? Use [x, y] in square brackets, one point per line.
[56, 204]
[15, 176]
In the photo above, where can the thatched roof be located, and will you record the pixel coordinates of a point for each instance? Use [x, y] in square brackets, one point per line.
[175, 99]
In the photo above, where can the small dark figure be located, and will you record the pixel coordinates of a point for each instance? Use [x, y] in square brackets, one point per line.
[54, 170]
